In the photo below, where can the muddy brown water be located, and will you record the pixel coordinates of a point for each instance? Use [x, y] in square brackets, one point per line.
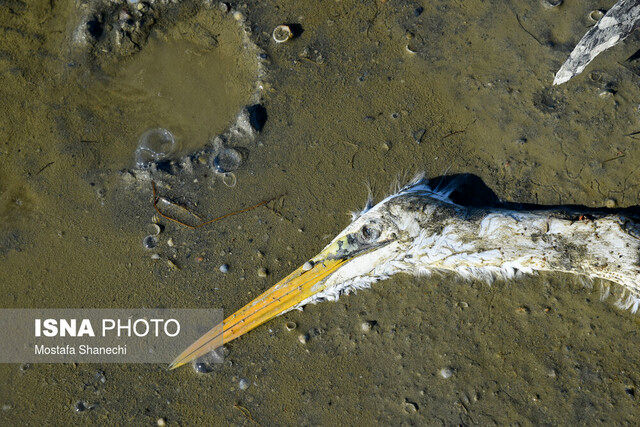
[347, 105]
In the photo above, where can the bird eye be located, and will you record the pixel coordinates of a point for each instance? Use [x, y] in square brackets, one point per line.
[369, 233]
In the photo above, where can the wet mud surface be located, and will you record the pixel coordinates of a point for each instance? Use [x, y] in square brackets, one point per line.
[365, 93]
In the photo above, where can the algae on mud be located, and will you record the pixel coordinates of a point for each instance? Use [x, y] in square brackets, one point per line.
[478, 85]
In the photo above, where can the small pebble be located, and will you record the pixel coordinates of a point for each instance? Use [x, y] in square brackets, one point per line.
[224, 268]
[446, 373]
[155, 256]
[262, 272]
[172, 265]
[170, 242]
[607, 93]
[161, 422]
[307, 266]
[366, 326]
[303, 338]
[550, 4]
[610, 203]
[6, 407]
[243, 384]
[410, 407]
[150, 242]
[238, 16]
[80, 406]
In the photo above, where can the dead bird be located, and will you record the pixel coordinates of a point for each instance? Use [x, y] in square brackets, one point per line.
[619, 21]
[424, 227]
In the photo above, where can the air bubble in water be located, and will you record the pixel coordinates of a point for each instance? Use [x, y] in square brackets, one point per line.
[155, 144]
[227, 160]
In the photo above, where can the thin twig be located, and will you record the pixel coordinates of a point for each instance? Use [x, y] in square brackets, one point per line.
[245, 412]
[155, 205]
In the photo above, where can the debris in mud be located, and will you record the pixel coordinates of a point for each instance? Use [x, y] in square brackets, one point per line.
[446, 373]
[550, 4]
[150, 242]
[290, 326]
[366, 326]
[282, 33]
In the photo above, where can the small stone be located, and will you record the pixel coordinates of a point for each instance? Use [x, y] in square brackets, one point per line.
[243, 384]
[606, 93]
[550, 4]
[80, 406]
[150, 242]
[224, 268]
[238, 16]
[6, 407]
[303, 338]
[446, 373]
[418, 134]
[410, 407]
[262, 272]
[366, 326]
[161, 422]
[224, 7]
[307, 266]
[170, 242]
[610, 203]
[172, 265]
[155, 257]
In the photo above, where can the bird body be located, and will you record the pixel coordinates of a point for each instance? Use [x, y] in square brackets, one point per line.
[421, 229]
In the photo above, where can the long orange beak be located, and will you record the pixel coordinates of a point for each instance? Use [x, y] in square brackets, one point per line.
[303, 283]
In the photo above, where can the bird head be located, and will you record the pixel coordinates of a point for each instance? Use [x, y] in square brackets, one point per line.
[375, 245]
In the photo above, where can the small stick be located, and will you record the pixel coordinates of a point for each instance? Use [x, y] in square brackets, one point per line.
[244, 411]
[155, 205]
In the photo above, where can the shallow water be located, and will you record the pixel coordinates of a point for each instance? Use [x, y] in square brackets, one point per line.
[347, 105]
